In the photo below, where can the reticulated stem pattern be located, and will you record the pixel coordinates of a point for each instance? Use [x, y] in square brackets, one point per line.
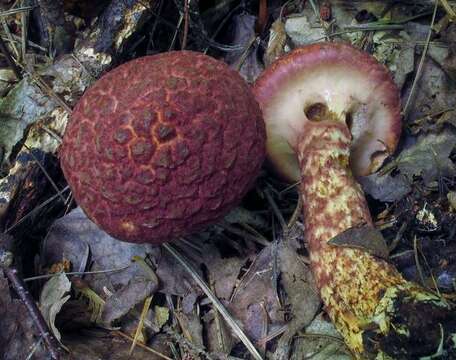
[360, 291]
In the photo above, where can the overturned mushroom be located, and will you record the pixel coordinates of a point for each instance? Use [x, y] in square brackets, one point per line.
[162, 146]
[332, 112]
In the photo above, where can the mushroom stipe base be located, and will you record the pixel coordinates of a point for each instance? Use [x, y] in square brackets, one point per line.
[379, 313]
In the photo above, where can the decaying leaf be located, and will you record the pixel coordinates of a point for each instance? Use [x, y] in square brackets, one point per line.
[385, 187]
[302, 31]
[161, 316]
[428, 157]
[363, 237]
[320, 341]
[191, 326]
[302, 296]
[53, 296]
[28, 104]
[451, 196]
[223, 272]
[17, 331]
[277, 42]
[101, 345]
[255, 302]
[240, 215]
[70, 235]
[245, 60]
[219, 338]
[123, 300]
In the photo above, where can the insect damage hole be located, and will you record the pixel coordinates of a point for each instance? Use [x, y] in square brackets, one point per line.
[319, 112]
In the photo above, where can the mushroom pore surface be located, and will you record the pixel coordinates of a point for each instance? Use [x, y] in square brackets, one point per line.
[329, 81]
[163, 145]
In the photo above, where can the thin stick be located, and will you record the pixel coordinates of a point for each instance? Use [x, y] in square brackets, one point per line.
[39, 277]
[15, 11]
[48, 338]
[142, 346]
[43, 204]
[9, 59]
[186, 20]
[420, 66]
[46, 174]
[24, 33]
[220, 307]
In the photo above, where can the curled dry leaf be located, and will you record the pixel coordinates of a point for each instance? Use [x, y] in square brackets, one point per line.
[53, 296]
[277, 42]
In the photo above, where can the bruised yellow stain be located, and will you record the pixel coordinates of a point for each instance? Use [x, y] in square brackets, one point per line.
[128, 226]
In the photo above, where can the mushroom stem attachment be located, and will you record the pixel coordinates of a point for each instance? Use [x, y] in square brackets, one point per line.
[375, 309]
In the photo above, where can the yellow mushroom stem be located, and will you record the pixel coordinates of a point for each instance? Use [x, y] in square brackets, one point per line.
[379, 313]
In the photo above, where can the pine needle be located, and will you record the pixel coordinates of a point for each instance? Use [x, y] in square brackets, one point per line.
[140, 327]
[220, 307]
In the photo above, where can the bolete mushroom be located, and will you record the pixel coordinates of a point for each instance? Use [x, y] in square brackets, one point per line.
[332, 112]
[163, 145]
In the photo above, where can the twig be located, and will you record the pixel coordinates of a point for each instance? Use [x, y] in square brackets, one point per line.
[9, 37]
[451, 13]
[24, 33]
[39, 277]
[141, 345]
[43, 86]
[254, 39]
[218, 323]
[26, 216]
[140, 326]
[186, 21]
[19, 286]
[9, 59]
[15, 11]
[46, 174]
[420, 66]
[15, 38]
[35, 347]
[275, 209]
[173, 41]
[220, 307]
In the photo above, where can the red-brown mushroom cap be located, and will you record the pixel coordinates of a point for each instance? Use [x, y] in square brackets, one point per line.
[332, 79]
[163, 145]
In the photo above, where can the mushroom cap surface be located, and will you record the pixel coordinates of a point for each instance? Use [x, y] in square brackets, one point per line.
[336, 79]
[163, 145]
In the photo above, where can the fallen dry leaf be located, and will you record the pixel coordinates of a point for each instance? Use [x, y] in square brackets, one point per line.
[96, 345]
[123, 300]
[53, 296]
[385, 187]
[320, 341]
[428, 157]
[17, 332]
[303, 299]
[363, 237]
[255, 302]
[70, 235]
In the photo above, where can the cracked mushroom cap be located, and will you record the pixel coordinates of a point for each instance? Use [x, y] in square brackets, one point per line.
[163, 145]
[326, 81]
